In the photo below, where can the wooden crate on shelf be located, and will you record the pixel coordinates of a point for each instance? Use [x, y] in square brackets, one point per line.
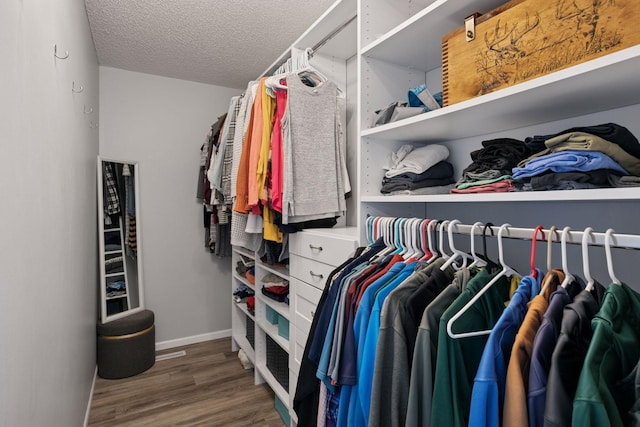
[525, 39]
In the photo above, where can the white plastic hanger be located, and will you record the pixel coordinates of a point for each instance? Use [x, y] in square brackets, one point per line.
[413, 231]
[506, 271]
[552, 232]
[457, 254]
[443, 254]
[405, 238]
[585, 259]
[568, 277]
[477, 261]
[434, 252]
[607, 247]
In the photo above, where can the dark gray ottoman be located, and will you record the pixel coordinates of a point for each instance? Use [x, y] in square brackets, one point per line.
[126, 346]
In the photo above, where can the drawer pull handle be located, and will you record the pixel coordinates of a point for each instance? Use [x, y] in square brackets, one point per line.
[315, 275]
[315, 248]
[313, 313]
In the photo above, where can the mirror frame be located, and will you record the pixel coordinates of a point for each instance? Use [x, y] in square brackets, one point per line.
[104, 317]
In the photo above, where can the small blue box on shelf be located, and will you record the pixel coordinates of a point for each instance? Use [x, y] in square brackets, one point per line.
[271, 315]
[283, 327]
[282, 410]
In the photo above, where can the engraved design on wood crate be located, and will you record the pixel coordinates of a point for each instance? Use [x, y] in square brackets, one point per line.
[572, 32]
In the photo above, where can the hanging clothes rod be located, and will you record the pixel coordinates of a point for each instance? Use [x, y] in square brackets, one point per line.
[331, 35]
[574, 237]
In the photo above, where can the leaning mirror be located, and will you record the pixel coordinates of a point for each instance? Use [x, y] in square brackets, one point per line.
[119, 239]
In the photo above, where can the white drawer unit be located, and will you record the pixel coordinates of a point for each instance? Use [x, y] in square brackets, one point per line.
[314, 254]
[309, 271]
[297, 349]
[305, 300]
[328, 246]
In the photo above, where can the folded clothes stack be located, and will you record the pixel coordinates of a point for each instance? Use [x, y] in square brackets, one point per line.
[251, 305]
[116, 288]
[250, 274]
[275, 287]
[421, 170]
[242, 292]
[601, 156]
[491, 167]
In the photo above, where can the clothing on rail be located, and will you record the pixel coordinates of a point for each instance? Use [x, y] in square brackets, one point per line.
[380, 352]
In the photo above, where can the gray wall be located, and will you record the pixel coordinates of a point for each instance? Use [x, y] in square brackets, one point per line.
[48, 248]
[161, 123]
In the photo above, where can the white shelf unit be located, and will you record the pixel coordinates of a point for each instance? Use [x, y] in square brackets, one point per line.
[400, 47]
[239, 313]
[334, 38]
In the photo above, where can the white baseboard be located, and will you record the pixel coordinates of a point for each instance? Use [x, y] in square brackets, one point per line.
[178, 342]
[93, 386]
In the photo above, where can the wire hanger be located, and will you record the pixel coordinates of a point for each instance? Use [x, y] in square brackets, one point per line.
[568, 277]
[588, 232]
[607, 247]
[506, 271]
[477, 261]
[457, 254]
[534, 240]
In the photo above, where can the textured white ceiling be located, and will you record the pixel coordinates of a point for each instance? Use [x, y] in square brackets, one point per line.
[220, 42]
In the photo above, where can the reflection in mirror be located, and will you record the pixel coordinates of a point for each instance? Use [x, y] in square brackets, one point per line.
[119, 239]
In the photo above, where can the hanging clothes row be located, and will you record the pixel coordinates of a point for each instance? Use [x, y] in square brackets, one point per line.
[280, 161]
[408, 334]
[213, 190]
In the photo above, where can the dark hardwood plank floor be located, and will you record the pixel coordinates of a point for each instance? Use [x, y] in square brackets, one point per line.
[207, 387]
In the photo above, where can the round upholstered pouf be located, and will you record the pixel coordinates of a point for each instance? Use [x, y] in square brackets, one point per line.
[126, 346]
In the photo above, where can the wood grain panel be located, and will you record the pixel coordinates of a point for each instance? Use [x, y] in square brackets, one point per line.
[525, 39]
[207, 387]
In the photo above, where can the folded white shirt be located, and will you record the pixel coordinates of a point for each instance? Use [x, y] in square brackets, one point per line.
[419, 160]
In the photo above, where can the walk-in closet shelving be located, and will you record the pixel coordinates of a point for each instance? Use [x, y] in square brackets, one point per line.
[401, 47]
[240, 315]
[333, 38]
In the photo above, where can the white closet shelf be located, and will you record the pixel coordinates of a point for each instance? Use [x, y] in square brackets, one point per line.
[272, 331]
[280, 307]
[120, 273]
[519, 196]
[242, 306]
[119, 251]
[243, 280]
[109, 230]
[244, 251]
[417, 42]
[559, 95]
[116, 297]
[273, 383]
[280, 271]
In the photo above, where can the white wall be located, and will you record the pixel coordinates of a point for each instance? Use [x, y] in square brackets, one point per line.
[161, 123]
[48, 248]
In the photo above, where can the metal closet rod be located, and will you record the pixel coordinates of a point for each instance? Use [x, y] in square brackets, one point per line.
[332, 34]
[574, 237]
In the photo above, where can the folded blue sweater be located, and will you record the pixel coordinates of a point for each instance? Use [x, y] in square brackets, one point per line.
[568, 161]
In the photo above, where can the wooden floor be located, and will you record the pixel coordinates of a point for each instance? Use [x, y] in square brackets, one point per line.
[207, 387]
